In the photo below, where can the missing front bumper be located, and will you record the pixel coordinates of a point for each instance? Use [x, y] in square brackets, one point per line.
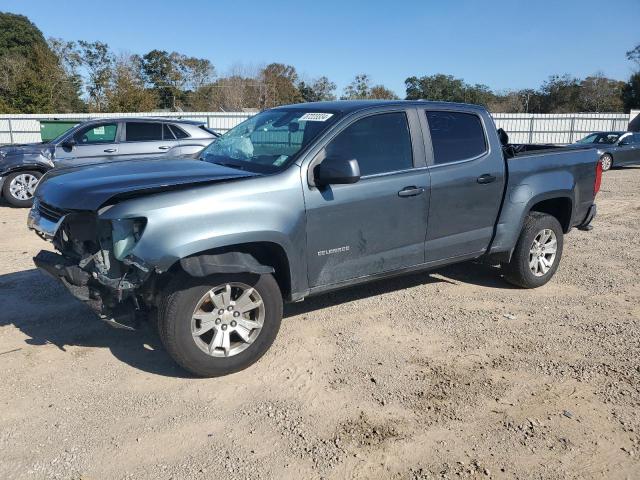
[79, 283]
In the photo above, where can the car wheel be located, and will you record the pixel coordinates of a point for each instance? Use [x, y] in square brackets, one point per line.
[19, 187]
[607, 162]
[537, 253]
[220, 324]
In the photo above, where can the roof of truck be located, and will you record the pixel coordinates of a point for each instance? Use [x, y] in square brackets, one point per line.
[146, 119]
[347, 106]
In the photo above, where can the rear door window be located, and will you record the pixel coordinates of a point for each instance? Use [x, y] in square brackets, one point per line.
[143, 132]
[178, 132]
[455, 136]
[380, 143]
[167, 134]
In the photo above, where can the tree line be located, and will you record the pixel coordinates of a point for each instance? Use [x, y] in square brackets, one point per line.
[39, 75]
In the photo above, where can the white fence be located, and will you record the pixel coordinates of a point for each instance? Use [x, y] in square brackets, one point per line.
[558, 128]
[521, 127]
[26, 128]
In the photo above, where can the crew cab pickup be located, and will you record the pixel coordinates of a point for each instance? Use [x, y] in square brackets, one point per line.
[300, 200]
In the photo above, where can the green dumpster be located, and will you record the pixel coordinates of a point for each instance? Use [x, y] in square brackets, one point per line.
[50, 129]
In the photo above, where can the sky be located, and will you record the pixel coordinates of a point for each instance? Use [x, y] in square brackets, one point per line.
[503, 44]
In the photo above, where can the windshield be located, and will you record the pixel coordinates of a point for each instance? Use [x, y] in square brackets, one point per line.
[600, 138]
[268, 141]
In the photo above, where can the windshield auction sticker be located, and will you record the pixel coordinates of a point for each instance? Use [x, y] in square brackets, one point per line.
[315, 117]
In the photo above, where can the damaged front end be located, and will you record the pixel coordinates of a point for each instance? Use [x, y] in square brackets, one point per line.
[95, 261]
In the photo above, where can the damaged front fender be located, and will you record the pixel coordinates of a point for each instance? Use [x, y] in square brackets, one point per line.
[229, 262]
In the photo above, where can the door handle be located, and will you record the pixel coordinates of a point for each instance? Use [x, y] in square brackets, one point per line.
[164, 147]
[110, 150]
[486, 178]
[410, 191]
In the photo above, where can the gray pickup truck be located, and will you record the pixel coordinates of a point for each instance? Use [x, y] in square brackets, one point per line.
[300, 200]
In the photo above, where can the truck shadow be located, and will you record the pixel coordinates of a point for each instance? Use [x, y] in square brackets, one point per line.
[468, 273]
[47, 314]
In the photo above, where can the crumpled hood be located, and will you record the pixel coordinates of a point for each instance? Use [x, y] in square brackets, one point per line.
[87, 188]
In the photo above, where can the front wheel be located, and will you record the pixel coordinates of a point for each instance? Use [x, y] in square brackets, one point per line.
[537, 253]
[607, 162]
[220, 324]
[19, 187]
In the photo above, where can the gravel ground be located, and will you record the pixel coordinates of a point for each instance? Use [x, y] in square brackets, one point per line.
[452, 374]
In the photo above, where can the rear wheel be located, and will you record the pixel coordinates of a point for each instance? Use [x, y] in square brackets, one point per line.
[19, 187]
[607, 162]
[221, 324]
[537, 253]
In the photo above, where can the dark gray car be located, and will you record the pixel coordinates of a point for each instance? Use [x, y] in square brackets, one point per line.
[614, 148]
[301, 200]
[97, 141]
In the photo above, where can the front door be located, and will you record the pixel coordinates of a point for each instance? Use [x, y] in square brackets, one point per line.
[94, 143]
[467, 181]
[630, 151]
[377, 224]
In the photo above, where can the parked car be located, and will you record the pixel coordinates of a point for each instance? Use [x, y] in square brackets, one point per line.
[301, 200]
[97, 141]
[614, 148]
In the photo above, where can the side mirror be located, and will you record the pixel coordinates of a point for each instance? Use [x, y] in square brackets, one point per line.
[68, 144]
[333, 171]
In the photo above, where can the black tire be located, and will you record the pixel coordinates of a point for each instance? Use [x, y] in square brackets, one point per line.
[176, 310]
[6, 189]
[606, 161]
[518, 271]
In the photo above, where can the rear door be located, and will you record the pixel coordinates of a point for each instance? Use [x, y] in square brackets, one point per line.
[379, 223]
[94, 143]
[467, 182]
[147, 140]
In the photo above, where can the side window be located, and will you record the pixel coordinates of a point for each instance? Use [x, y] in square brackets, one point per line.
[636, 138]
[104, 133]
[455, 136]
[381, 143]
[178, 132]
[167, 134]
[143, 131]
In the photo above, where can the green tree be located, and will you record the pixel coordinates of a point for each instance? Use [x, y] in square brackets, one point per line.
[321, 89]
[600, 94]
[163, 72]
[98, 60]
[631, 92]
[279, 85]
[447, 88]
[380, 92]
[126, 91]
[561, 94]
[358, 89]
[634, 55]
[32, 78]
[361, 89]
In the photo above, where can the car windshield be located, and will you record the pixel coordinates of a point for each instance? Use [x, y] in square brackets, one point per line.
[600, 138]
[269, 141]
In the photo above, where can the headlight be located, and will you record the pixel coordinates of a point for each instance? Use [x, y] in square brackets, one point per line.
[126, 233]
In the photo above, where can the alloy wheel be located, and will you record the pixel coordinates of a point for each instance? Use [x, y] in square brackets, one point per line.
[227, 319]
[542, 253]
[23, 186]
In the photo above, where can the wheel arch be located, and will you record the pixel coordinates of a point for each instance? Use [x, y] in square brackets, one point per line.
[560, 207]
[259, 257]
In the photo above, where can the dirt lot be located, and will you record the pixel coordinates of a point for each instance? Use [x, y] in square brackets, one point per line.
[452, 374]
